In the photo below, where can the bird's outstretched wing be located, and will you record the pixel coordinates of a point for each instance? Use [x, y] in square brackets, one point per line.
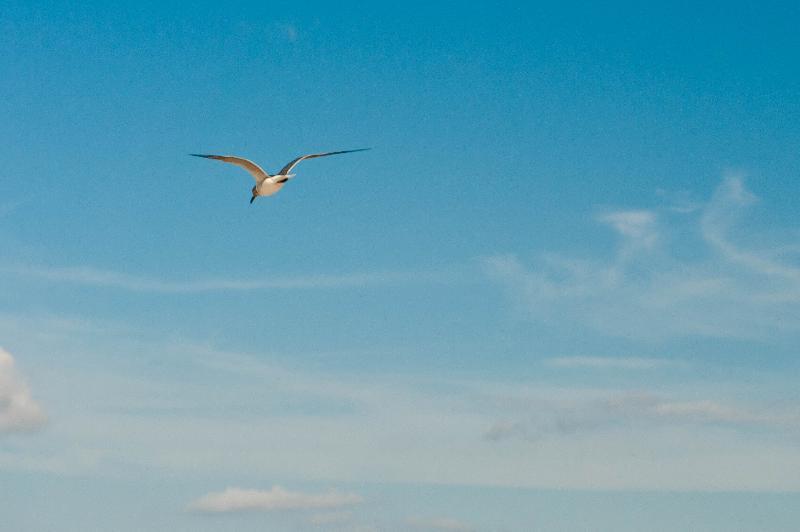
[254, 170]
[288, 168]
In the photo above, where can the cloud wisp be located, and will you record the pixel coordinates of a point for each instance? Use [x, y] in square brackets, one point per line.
[98, 278]
[274, 499]
[539, 435]
[18, 410]
[626, 363]
[647, 290]
[636, 410]
[638, 227]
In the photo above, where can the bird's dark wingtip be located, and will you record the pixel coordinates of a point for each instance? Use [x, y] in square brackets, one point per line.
[199, 155]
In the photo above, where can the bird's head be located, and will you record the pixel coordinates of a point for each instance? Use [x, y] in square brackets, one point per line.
[255, 195]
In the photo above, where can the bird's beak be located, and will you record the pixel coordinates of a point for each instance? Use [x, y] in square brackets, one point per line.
[252, 200]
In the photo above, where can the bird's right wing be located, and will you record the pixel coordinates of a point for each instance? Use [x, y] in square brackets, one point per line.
[288, 168]
[258, 174]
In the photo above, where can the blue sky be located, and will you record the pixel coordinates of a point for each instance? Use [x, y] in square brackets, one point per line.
[561, 292]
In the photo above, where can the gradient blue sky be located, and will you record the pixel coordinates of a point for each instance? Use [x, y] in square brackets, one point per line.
[562, 292]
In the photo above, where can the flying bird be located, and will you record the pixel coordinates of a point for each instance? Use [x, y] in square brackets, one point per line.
[267, 185]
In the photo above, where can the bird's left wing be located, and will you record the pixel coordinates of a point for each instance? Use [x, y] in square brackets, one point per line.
[288, 168]
[254, 170]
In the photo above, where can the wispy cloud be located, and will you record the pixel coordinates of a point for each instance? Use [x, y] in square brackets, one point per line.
[637, 226]
[632, 410]
[18, 411]
[229, 413]
[721, 214]
[277, 498]
[632, 363]
[94, 277]
[647, 290]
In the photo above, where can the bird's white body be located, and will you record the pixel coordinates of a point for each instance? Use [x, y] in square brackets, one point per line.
[271, 185]
[267, 185]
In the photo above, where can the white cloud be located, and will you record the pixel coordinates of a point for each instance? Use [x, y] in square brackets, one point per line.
[439, 523]
[647, 290]
[18, 411]
[637, 226]
[277, 498]
[632, 363]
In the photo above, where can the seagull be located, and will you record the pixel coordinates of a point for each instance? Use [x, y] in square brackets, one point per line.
[267, 185]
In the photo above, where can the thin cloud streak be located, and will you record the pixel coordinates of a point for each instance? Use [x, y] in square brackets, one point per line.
[637, 409]
[277, 498]
[722, 211]
[109, 279]
[632, 363]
